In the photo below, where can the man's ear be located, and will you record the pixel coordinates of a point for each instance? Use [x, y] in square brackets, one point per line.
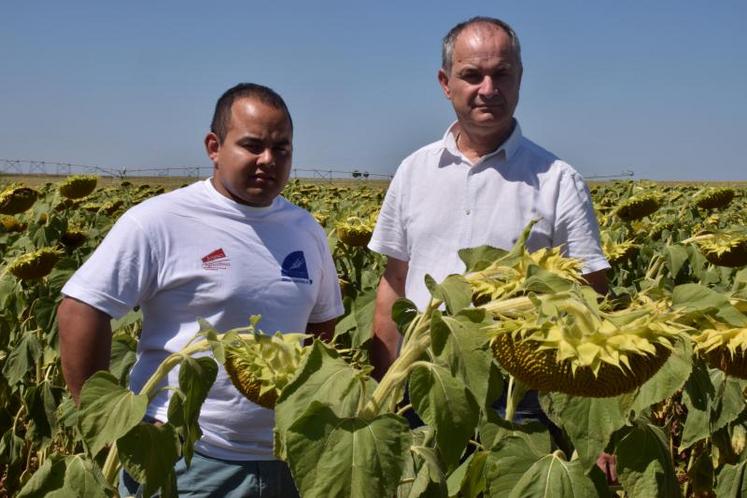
[212, 146]
[443, 80]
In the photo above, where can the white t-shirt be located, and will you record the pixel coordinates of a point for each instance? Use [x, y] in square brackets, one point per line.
[439, 202]
[193, 253]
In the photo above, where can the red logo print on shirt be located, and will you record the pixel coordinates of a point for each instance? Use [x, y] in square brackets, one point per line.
[216, 260]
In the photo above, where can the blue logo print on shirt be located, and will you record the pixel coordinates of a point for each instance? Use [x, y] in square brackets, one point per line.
[294, 268]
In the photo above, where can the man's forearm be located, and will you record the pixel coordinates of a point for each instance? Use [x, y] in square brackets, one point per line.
[85, 342]
[386, 337]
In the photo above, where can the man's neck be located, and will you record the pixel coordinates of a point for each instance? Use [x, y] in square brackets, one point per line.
[475, 143]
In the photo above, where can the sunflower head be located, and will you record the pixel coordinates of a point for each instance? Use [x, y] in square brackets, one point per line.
[638, 206]
[77, 186]
[17, 199]
[11, 223]
[724, 347]
[714, 197]
[354, 231]
[724, 248]
[261, 366]
[34, 265]
[569, 344]
[73, 237]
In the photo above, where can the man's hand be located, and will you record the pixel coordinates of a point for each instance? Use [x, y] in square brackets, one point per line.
[598, 281]
[324, 331]
[85, 342]
[386, 337]
[608, 464]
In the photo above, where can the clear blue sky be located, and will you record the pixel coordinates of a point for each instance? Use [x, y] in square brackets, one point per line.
[655, 87]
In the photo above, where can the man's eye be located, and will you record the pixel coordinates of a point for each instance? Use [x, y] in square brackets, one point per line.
[472, 77]
[254, 148]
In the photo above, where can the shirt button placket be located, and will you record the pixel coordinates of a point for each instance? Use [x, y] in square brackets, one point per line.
[467, 219]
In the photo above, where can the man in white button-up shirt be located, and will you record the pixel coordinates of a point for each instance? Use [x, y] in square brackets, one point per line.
[481, 184]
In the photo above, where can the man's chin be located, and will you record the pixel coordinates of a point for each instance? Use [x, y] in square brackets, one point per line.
[255, 197]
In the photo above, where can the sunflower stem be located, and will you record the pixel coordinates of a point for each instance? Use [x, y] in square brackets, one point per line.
[150, 389]
[417, 340]
[515, 393]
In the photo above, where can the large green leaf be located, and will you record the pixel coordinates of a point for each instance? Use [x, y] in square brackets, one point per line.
[698, 398]
[324, 377]
[447, 405]
[359, 321]
[107, 411]
[479, 258]
[676, 257]
[404, 311]
[196, 377]
[713, 400]
[72, 476]
[148, 453]
[41, 403]
[415, 481]
[644, 465]
[698, 299]
[123, 357]
[430, 480]
[731, 481]
[589, 422]
[454, 291]
[472, 481]
[669, 379]
[460, 344]
[334, 457]
[554, 477]
[544, 281]
[22, 358]
[44, 312]
[511, 456]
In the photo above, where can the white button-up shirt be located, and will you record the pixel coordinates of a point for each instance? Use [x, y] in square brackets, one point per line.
[439, 202]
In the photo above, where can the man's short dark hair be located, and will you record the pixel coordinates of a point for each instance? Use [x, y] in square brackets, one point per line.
[222, 115]
[447, 47]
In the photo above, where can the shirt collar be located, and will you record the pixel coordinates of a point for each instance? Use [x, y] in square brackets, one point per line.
[505, 151]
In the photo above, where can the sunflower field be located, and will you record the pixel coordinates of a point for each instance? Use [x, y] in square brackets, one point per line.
[654, 373]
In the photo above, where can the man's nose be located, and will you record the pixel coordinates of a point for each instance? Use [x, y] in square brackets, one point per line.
[488, 86]
[266, 157]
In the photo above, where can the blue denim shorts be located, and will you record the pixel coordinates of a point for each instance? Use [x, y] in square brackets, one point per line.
[213, 477]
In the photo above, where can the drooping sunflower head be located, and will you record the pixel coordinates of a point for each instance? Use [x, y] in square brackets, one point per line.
[724, 347]
[714, 197]
[73, 237]
[724, 248]
[261, 366]
[77, 186]
[34, 265]
[618, 252]
[321, 217]
[638, 206]
[112, 206]
[11, 223]
[17, 199]
[567, 344]
[507, 276]
[354, 231]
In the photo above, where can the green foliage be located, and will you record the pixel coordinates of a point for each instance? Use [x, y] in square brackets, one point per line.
[682, 433]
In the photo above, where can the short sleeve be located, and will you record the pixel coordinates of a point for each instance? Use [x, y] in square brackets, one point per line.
[390, 236]
[329, 300]
[577, 229]
[119, 274]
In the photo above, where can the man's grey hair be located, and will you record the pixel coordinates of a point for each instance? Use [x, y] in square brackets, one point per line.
[447, 49]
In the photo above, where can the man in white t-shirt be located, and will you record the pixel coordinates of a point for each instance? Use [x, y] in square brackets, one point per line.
[222, 249]
[481, 184]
